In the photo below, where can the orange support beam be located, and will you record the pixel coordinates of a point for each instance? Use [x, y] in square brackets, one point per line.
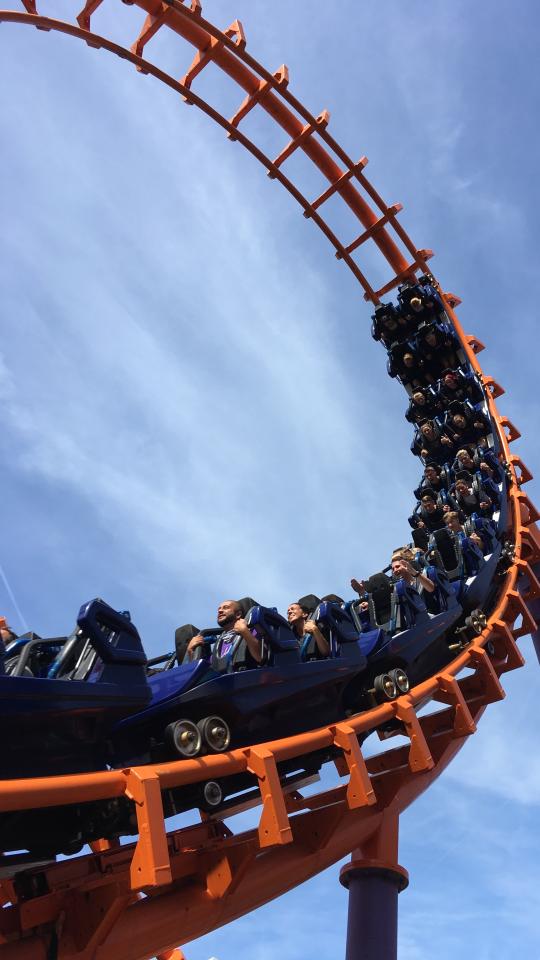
[336, 186]
[360, 790]
[525, 473]
[408, 272]
[390, 213]
[320, 123]
[274, 826]
[485, 671]
[514, 657]
[90, 7]
[150, 866]
[420, 758]
[493, 387]
[518, 607]
[279, 81]
[235, 32]
[475, 344]
[449, 692]
[512, 432]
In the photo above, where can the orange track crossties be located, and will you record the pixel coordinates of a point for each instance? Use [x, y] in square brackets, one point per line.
[135, 901]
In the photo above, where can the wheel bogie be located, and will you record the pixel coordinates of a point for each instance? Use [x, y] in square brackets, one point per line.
[384, 687]
[184, 738]
[215, 733]
[401, 680]
[476, 621]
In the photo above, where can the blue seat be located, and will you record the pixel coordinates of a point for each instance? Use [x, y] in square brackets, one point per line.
[106, 648]
[336, 625]
[484, 528]
[455, 553]
[443, 595]
[278, 640]
[392, 606]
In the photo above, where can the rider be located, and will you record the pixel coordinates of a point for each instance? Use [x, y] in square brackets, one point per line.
[303, 628]
[230, 619]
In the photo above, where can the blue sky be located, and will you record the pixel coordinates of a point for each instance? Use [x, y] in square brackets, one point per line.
[193, 407]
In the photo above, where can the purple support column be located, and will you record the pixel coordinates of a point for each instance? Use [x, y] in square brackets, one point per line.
[373, 887]
[534, 607]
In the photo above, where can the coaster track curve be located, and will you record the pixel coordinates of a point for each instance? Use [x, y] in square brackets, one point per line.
[143, 899]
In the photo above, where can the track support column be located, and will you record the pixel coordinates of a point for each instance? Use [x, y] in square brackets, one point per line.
[374, 879]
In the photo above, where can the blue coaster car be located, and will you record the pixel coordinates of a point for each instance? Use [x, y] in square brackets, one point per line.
[470, 574]
[59, 723]
[89, 715]
[211, 704]
[410, 636]
[284, 695]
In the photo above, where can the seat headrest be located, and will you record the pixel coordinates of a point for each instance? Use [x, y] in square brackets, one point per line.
[246, 603]
[332, 598]
[310, 602]
[420, 538]
[379, 588]
[186, 632]
[377, 581]
[446, 545]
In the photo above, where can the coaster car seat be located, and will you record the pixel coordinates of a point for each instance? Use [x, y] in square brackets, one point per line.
[467, 386]
[271, 629]
[395, 365]
[335, 624]
[432, 407]
[410, 605]
[489, 456]
[381, 601]
[420, 537]
[484, 528]
[423, 289]
[457, 555]
[445, 551]
[432, 521]
[392, 606]
[309, 602]
[183, 635]
[31, 655]
[478, 490]
[380, 330]
[278, 640]
[443, 595]
[103, 646]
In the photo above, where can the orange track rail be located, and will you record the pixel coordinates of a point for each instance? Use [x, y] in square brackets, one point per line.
[203, 876]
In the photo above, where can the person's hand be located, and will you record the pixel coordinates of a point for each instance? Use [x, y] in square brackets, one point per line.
[420, 524]
[196, 641]
[476, 539]
[310, 626]
[358, 586]
[446, 508]
[241, 627]
[424, 453]
[364, 606]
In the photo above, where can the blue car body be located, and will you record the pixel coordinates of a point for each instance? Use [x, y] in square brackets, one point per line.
[55, 726]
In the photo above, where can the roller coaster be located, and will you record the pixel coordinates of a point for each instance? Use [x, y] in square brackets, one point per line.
[126, 901]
